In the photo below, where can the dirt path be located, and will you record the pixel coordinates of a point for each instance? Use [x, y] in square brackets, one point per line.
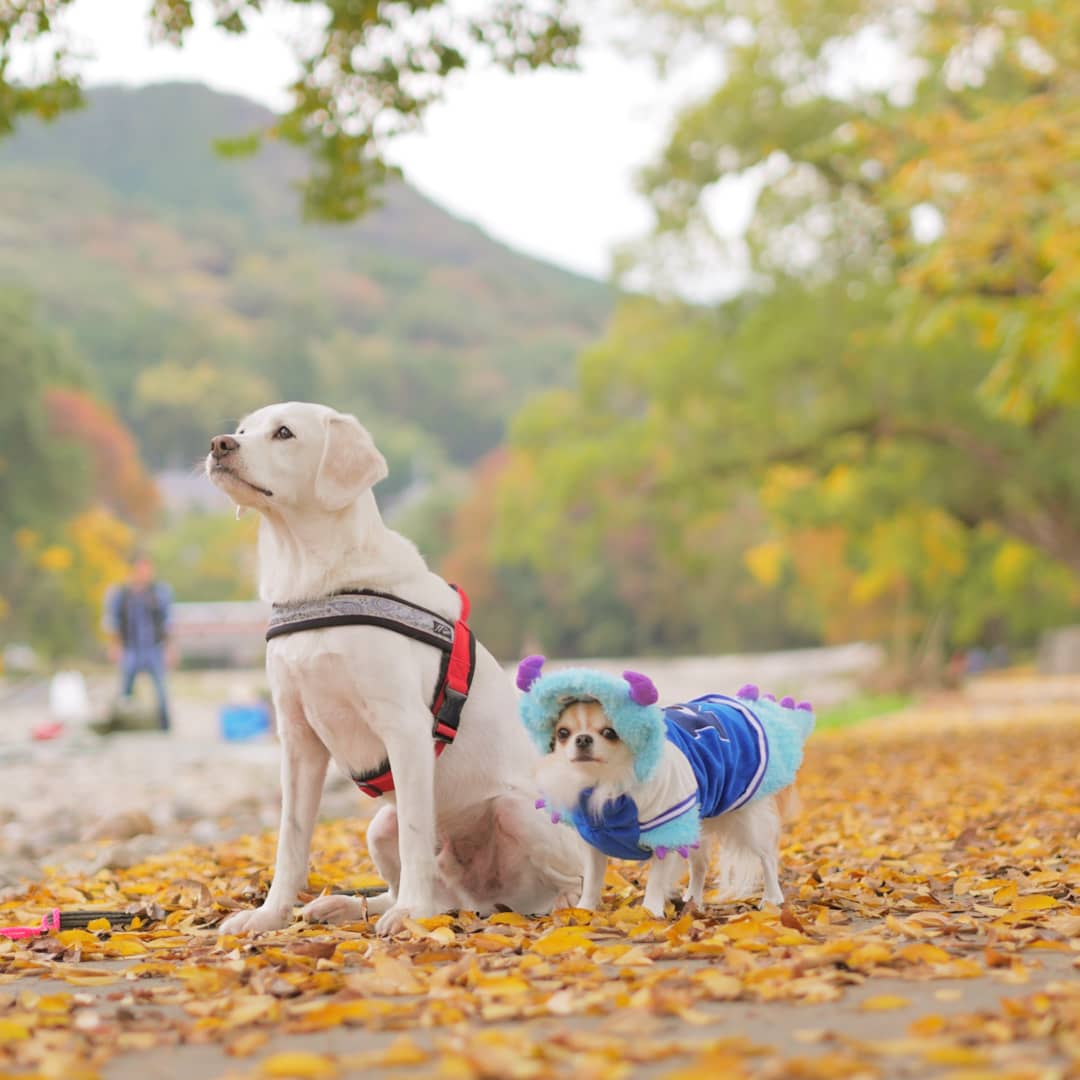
[933, 928]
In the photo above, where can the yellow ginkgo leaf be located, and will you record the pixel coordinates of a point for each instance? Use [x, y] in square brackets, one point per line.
[884, 1002]
[563, 940]
[1034, 902]
[298, 1066]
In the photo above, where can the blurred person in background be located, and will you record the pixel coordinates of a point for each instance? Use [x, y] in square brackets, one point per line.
[137, 618]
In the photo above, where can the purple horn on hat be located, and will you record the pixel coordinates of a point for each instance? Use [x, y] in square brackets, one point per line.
[529, 671]
[642, 691]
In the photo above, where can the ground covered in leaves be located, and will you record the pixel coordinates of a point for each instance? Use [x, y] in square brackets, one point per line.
[933, 928]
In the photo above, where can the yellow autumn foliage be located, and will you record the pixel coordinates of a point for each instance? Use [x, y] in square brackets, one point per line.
[766, 561]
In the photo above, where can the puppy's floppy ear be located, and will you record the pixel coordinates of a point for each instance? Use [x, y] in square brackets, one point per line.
[350, 464]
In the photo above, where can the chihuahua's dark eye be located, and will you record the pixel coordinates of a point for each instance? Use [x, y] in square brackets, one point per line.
[562, 734]
[283, 433]
[610, 734]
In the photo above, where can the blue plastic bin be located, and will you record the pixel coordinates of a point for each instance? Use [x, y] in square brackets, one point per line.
[242, 722]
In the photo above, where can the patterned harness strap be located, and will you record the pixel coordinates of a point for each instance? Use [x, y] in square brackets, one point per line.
[366, 607]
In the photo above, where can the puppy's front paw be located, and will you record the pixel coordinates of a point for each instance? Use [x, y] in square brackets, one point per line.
[335, 909]
[393, 919]
[256, 921]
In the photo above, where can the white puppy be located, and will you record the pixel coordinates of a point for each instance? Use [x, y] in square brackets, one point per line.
[644, 783]
[459, 832]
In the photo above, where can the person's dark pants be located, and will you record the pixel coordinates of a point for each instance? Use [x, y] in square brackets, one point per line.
[153, 663]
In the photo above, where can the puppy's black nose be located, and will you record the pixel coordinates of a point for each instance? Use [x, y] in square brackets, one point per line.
[583, 741]
[220, 445]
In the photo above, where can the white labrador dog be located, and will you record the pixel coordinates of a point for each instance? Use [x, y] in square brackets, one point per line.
[460, 833]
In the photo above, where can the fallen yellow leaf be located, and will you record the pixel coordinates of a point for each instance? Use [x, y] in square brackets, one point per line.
[955, 1055]
[1034, 902]
[562, 940]
[883, 1002]
[12, 1031]
[299, 1066]
[924, 952]
[77, 937]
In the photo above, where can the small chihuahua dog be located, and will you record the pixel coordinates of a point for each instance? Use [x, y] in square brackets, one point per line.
[641, 782]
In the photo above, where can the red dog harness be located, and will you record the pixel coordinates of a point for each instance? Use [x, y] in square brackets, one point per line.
[366, 607]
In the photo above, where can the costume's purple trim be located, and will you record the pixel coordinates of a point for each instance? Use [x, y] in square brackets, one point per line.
[670, 812]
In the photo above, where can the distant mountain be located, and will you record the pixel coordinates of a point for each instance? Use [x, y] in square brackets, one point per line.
[194, 292]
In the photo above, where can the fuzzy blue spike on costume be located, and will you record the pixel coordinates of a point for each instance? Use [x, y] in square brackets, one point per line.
[787, 730]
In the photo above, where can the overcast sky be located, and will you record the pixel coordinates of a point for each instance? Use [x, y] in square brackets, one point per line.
[543, 161]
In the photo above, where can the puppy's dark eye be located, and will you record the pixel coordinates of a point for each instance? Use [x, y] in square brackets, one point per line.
[610, 734]
[562, 734]
[283, 433]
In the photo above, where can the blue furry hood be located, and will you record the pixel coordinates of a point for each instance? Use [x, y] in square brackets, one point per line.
[629, 703]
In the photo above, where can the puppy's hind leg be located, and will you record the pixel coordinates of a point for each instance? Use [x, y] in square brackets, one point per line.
[699, 873]
[755, 830]
[303, 769]
[383, 846]
[382, 842]
[539, 863]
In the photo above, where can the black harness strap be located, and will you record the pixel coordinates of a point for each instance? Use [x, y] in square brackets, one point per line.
[365, 607]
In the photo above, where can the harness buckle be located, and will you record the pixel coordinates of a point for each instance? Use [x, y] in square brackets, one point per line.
[448, 717]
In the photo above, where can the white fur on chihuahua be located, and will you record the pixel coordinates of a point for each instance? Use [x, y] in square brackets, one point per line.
[462, 833]
[639, 782]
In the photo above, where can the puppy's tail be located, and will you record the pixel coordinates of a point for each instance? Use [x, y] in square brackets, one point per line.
[788, 803]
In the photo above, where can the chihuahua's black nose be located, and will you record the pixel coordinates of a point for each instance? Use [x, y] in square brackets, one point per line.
[220, 445]
[583, 741]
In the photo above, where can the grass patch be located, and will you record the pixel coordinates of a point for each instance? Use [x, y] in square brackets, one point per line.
[860, 709]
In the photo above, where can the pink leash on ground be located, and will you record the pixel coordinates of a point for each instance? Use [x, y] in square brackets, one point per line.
[71, 920]
[49, 921]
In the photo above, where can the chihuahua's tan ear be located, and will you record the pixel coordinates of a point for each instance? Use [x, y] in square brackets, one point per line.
[350, 464]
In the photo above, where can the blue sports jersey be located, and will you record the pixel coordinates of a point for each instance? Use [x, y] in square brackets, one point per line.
[726, 746]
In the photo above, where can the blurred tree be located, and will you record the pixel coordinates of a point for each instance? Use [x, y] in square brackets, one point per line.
[898, 408]
[179, 408]
[208, 556]
[368, 75]
[119, 480]
[56, 586]
[936, 142]
[795, 436]
[41, 477]
[67, 469]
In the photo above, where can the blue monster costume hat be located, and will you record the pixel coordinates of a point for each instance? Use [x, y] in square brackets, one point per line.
[628, 702]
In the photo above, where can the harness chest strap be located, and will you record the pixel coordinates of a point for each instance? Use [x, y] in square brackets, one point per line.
[367, 607]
